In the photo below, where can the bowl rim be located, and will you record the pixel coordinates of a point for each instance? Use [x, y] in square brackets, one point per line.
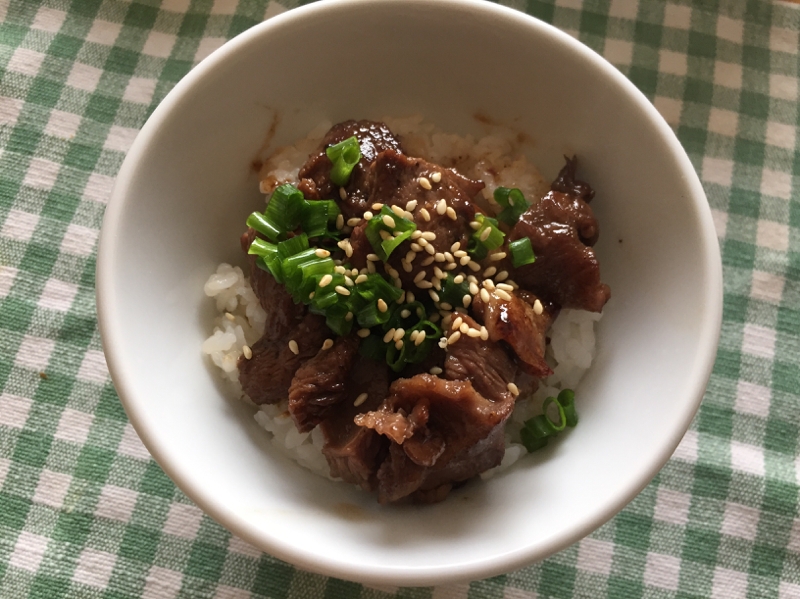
[387, 574]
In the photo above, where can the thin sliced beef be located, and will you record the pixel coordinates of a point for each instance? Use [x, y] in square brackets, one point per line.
[394, 180]
[282, 313]
[443, 432]
[515, 322]
[485, 363]
[562, 229]
[321, 383]
[315, 182]
[266, 376]
[568, 183]
[354, 452]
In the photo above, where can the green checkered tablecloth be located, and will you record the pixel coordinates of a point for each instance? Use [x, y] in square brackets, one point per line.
[85, 511]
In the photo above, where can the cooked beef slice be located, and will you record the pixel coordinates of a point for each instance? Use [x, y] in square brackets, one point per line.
[314, 175]
[394, 181]
[321, 383]
[562, 229]
[354, 452]
[442, 432]
[266, 376]
[485, 363]
[515, 322]
[282, 313]
[567, 183]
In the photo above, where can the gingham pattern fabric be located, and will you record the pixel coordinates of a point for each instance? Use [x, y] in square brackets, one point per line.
[85, 512]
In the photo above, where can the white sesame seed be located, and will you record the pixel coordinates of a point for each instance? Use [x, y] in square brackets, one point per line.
[294, 347]
[393, 273]
[230, 316]
[424, 284]
[327, 344]
[436, 369]
[339, 269]
[415, 247]
[449, 257]
[410, 206]
[325, 281]
[420, 338]
[455, 247]
[373, 258]
[363, 333]
[458, 279]
[406, 265]
[451, 213]
[451, 266]
[352, 222]
[377, 206]
[402, 298]
[348, 317]
[466, 300]
[437, 272]
[420, 276]
[513, 389]
[464, 260]
[248, 353]
[484, 333]
[429, 235]
[320, 253]
[434, 295]
[437, 284]
[388, 221]
[475, 225]
[485, 235]
[342, 193]
[424, 183]
[410, 256]
[445, 306]
[425, 214]
[348, 249]
[434, 318]
[339, 221]
[497, 256]
[436, 177]
[342, 290]
[489, 272]
[360, 399]
[399, 334]
[399, 285]
[463, 327]
[485, 295]
[382, 305]
[422, 242]
[474, 266]
[361, 279]
[474, 333]
[453, 338]
[388, 336]
[473, 288]
[408, 215]
[398, 211]
[488, 284]
[457, 322]
[459, 253]
[368, 215]
[398, 344]
[504, 287]
[430, 249]
[405, 313]
[370, 267]
[441, 207]
[501, 276]
[502, 294]
[537, 307]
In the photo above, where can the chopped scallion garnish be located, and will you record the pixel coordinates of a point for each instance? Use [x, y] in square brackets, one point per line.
[521, 252]
[394, 235]
[513, 203]
[539, 429]
[487, 237]
[344, 156]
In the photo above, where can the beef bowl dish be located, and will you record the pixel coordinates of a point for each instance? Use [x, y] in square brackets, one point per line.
[426, 297]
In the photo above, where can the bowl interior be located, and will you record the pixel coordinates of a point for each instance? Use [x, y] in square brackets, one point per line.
[187, 186]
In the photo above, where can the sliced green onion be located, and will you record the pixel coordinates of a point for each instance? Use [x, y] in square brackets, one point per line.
[453, 293]
[567, 400]
[385, 244]
[537, 430]
[513, 203]
[317, 215]
[521, 252]
[344, 156]
[336, 319]
[263, 225]
[373, 347]
[481, 242]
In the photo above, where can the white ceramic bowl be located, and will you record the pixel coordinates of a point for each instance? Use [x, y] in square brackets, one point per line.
[186, 187]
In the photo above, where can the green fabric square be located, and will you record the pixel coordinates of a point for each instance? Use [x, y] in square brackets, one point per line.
[13, 511]
[702, 45]
[754, 104]
[711, 481]
[697, 90]
[82, 157]
[155, 482]
[781, 436]
[65, 46]
[23, 141]
[193, 25]
[647, 34]
[786, 377]
[700, 546]
[73, 527]
[767, 561]
[139, 543]
[122, 60]
[781, 498]
[749, 152]
[693, 140]
[556, 580]
[32, 448]
[738, 254]
[541, 10]
[593, 23]
[44, 92]
[102, 108]
[645, 79]
[205, 561]
[341, 589]
[140, 15]
[94, 463]
[110, 405]
[273, 578]
[715, 420]
[48, 587]
[624, 587]
[744, 202]
[633, 530]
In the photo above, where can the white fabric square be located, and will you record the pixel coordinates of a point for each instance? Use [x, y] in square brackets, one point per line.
[672, 506]
[730, 29]
[116, 503]
[79, 240]
[752, 399]
[747, 458]
[26, 62]
[19, 225]
[781, 135]
[720, 219]
[772, 235]
[14, 410]
[93, 368]
[48, 19]
[273, 9]
[740, 521]
[52, 488]
[451, 591]
[183, 521]
[41, 174]
[63, 125]
[120, 138]
[794, 535]
[237, 545]
[159, 44]
[669, 108]
[206, 46]
[728, 74]
[131, 446]
[5, 465]
[103, 32]
[595, 556]
[687, 448]
[57, 295]
[777, 184]
[84, 77]
[718, 170]
[783, 86]
[679, 17]
[618, 52]
[624, 9]
[224, 7]
[226, 592]
[7, 276]
[162, 583]
[383, 588]
[74, 426]
[140, 90]
[662, 571]
[788, 590]
[512, 593]
[34, 352]
[673, 63]
[94, 568]
[9, 110]
[28, 551]
[98, 188]
[758, 341]
[783, 40]
[728, 584]
[175, 5]
[724, 122]
[767, 287]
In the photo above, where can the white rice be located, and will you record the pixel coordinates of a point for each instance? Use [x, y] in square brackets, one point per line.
[497, 160]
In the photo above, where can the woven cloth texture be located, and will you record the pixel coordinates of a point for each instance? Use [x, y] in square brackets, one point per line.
[84, 510]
